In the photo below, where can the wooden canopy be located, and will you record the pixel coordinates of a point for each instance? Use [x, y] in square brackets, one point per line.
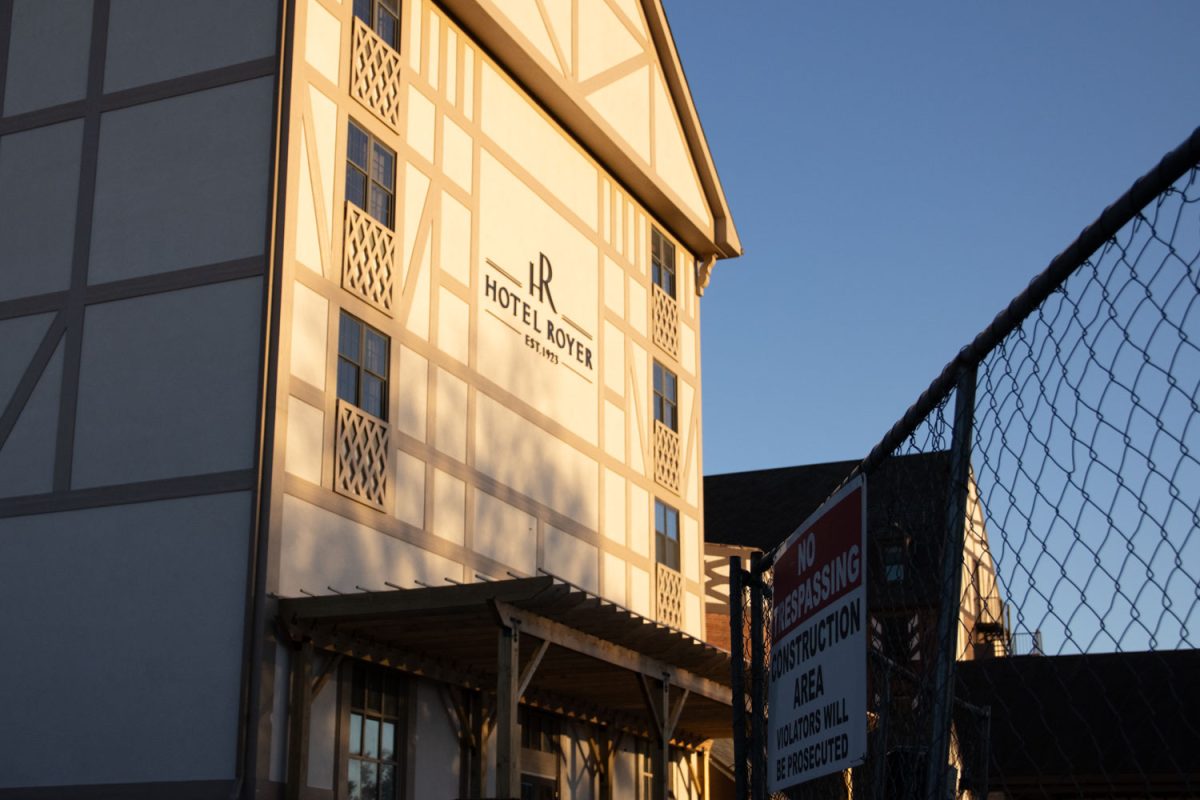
[582, 656]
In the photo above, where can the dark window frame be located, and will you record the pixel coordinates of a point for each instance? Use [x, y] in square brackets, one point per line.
[666, 396]
[391, 705]
[356, 363]
[666, 546]
[662, 261]
[369, 183]
[377, 14]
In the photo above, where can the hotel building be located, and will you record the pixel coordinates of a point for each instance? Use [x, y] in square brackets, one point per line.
[350, 406]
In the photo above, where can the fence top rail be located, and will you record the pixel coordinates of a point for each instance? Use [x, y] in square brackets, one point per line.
[1116, 216]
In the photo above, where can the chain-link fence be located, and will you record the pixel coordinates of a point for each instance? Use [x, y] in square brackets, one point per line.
[1033, 562]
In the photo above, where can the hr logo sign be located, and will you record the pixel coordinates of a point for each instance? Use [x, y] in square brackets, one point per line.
[539, 282]
[549, 333]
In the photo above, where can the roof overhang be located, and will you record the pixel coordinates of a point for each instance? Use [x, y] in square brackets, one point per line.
[501, 38]
[598, 658]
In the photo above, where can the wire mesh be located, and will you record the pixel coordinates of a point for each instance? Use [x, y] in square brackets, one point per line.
[1086, 500]
[1061, 559]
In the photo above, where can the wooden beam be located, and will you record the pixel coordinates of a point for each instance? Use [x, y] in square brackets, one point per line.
[651, 704]
[531, 668]
[327, 672]
[508, 765]
[612, 653]
[673, 720]
[366, 606]
[480, 721]
[298, 720]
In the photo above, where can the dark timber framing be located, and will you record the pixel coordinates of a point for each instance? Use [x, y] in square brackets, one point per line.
[74, 307]
[66, 329]
[69, 306]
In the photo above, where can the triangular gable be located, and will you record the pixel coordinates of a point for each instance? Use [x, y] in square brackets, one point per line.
[617, 60]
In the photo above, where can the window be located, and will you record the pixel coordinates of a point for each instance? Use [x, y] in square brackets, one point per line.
[645, 766]
[894, 551]
[666, 534]
[893, 562]
[538, 730]
[662, 262]
[381, 16]
[370, 175]
[374, 764]
[666, 403]
[362, 374]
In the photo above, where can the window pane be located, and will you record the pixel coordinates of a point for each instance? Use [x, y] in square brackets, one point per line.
[380, 205]
[383, 167]
[347, 389]
[357, 142]
[377, 353]
[669, 385]
[673, 555]
[362, 10]
[391, 704]
[368, 777]
[387, 781]
[658, 378]
[358, 687]
[371, 737]
[660, 517]
[385, 27]
[669, 417]
[372, 402]
[350, 338]
[355, 734]
[374, 678]
[660, 548]
[354, 779]
[387, 748]
[356, 186]
[672, 528]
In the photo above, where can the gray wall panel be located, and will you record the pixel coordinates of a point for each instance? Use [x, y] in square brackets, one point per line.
[27, 457]
[130, 622]
[183, 182]
[168, 385]
[39, 184]
[153, 40]
[48, 54]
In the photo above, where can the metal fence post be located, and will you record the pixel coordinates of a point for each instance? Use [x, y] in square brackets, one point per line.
[758, 743]
[942, 699]
[737, 624]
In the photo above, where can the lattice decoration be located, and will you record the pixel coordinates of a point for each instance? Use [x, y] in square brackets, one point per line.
[669, 597]
[368, 260]
[666, 456]
[666, 321]
[360, 470]
[375, 75]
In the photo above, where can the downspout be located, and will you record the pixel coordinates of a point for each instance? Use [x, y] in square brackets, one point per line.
[246, 782]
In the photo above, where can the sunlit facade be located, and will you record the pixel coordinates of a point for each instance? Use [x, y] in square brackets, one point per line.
[329, 315]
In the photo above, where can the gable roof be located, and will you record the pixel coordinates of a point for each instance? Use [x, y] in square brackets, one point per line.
[621, 91]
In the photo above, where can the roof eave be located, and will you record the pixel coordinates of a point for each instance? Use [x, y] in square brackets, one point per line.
[496, 34]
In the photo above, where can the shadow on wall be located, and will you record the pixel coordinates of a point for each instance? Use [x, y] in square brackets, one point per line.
[519, 495]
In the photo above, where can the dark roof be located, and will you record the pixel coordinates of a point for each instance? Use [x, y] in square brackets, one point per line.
[1098, 725]
[761, 508]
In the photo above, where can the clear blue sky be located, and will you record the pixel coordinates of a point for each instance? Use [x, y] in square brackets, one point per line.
[898, 172]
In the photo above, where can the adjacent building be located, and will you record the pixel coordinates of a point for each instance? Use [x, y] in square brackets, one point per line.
[350, 400]
[907, 501]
